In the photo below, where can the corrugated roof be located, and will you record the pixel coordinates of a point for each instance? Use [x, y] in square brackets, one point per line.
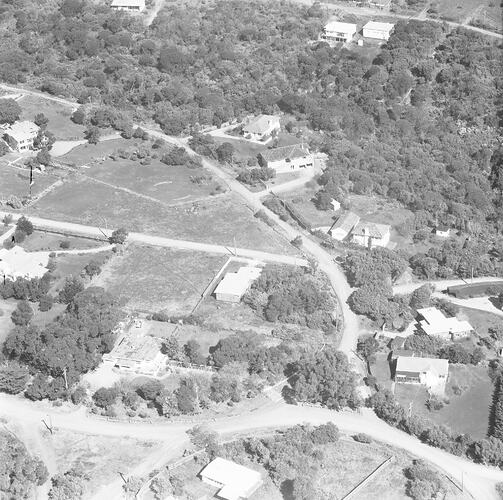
[284, 152]
[422, 365]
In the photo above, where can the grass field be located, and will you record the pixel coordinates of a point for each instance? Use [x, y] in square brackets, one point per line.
[154, 279]
[223, 220]
[487, 12]
[466, 413]
[41, 241]
[480, 320]
[16, 182]
[58, 114]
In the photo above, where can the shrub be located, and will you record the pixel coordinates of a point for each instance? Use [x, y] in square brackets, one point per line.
[23, 313]
[105, 397]
[362, 438]
[119, 236]
[46, 302]
[64, 244]
[23, 224]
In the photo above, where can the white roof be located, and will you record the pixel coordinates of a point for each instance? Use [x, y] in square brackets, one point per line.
[237, 481]
[16, 262]
[21, 131]
[128, 3]
[237, 283]
[338, 27]
[422, 365]
[261, 124]
[435, 323]
[377, 26]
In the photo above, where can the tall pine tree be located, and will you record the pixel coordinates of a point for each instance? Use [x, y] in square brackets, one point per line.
[497, 428]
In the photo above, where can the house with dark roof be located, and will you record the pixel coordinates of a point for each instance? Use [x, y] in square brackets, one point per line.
[287, 158]
[370, 234]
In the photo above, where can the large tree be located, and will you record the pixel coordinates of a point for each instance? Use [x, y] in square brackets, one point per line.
[10, 111]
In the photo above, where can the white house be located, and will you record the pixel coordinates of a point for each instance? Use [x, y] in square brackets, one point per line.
[287, 158]
[262, 128]
[443, 231]
[17, 263]
[336, 31]
[20, 135]
[433, 322]
[370, 235]
[343, 226]
[380, 31]
[128, 5]
[235, 481]
[235, 285]
[380, 4]
[430, 372]
[335, 205]
[136, 354]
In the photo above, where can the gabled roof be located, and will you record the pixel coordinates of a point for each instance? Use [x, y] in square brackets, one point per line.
[422, 365]
[21, 131]
[378, 26]
[436, 323]
[284, 152]
[260, 124]
[338, 27]
[371, 229]
[346, 222]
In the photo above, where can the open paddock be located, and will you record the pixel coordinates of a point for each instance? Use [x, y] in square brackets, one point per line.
[87, 154]
[160, 279]
[58, 114]
[41, 241]
[223, 220]
[16, 182]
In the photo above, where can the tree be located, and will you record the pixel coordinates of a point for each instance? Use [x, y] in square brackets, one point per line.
[119, 236]
[69, 485]
[10, 111]
[225, 152]
[421, 297]
[13, 377]
[92, 134]
[423, 482]
[78, 116]
[41, 120]
[489, 451]
[150, 389]
[105, 397]
[39, 388]
[325, 378]
[387, 408]
[497, 410]
[73, 285]
[25, 225]
[92, 269]
[202, 437]
[23, 313]
[367, 348]
[192, 350]
[44, 157]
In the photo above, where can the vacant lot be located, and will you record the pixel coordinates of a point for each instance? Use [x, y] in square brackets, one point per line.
[88, 154]
[302, 201]
[467, 412]
[59, 124]
[223, 220]
[462, 11]
[480, 320]
[41, 241]
[154, 279]
[16, 182]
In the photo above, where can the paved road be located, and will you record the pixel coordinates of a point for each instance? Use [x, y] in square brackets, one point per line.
[478, 480]
[440, 285]
[81, 229]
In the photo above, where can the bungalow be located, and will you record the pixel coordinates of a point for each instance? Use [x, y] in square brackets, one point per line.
[370, 235]
[380, 31]
[343, 226]
[287, 158]
[20, 135]
[262, 128]
[335, 31]
[433, 322]
[235, 285]
[235, 481]
[443, 231]
[430, 372]
[128, 5]
[335, 205]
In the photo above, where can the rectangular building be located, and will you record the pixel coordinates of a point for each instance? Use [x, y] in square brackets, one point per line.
[128, 5]
[234, 285]
[262, 128]
[287, 158]
[336, 31]
[20, 135]
[380, 31]
[343, 226]
[433, 322]
[430, 372]
[370, 235]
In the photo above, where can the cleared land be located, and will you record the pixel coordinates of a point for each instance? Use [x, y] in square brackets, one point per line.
[41, 241]
[59, 124]
[154, 279]
[16, 182]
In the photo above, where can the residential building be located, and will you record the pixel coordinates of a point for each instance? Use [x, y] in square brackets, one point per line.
[234, 285]
[235, 481]
[432, 321]
[430, 372]
[335, 205]
[380, 31]
[287, 158]
[262, 128]
[343, 225]
[370, 235]
[443, 231]
[17, 263]
[20, 135]
[136, 353]
[128, 5]
[336, 31]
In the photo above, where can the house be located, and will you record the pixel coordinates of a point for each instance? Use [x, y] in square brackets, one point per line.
[370, 235]
[343, 226]
[335, 31]
[20, 135]
[262, 128]
[17, 263]
[380, 31]
[235, 285]
[128, 5]
[443, 231]
[235, 481]
[335, 205]
[430, 372]
[287, 158]
[137, 354]
[432, 321]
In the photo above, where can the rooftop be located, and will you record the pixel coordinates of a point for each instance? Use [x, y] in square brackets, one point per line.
[128, 3]
[338, 27]
[136, 348]
[16, 262]
[237, 283]
[260, 124]
[371, 229]
[378, 26]
[21, 131]
[284, 152]
[422, 365]
[346, 221]
[237, 481]
[436, 323]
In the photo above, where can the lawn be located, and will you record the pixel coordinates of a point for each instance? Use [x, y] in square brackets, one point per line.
[41, 241]
[87, 154]
[16, 182]
[222, 220]
[154, 279]
[381, 370]
[6, 325]
[301, 200]
[59, 124]
[467, 412]
[480, 320]
[460, 10]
